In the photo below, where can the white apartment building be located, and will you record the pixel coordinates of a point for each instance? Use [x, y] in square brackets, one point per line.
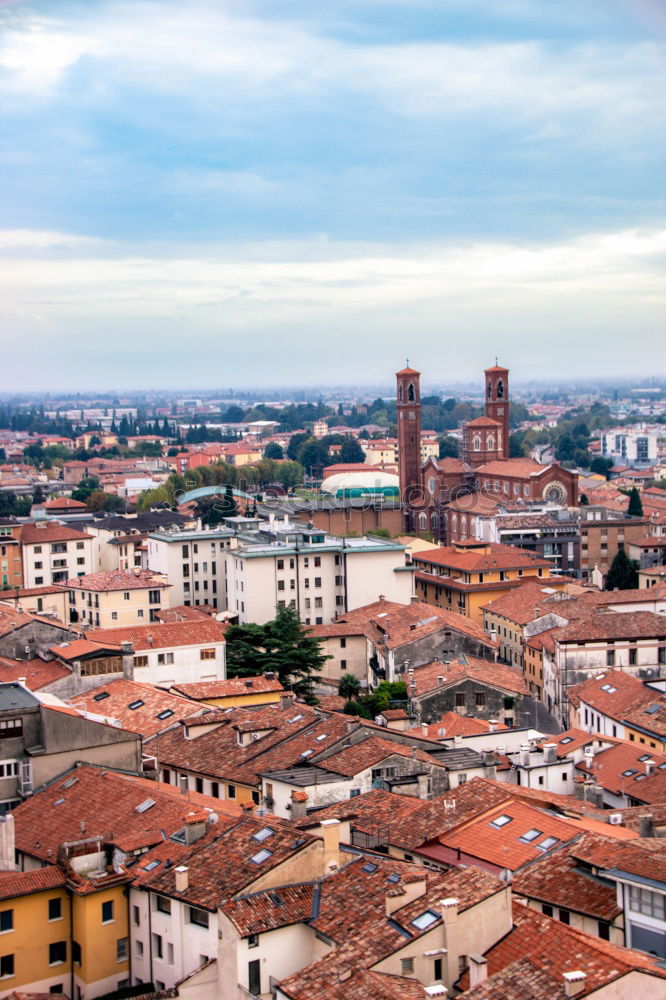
[194, 562]
[634, 446]
[53, 553]
[320, 575]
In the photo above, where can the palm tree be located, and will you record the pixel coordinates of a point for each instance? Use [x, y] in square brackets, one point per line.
[349, 687]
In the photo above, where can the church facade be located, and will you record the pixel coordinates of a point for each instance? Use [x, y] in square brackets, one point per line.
[444, 497]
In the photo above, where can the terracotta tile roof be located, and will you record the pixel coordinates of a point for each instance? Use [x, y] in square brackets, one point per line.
[482, 557]
[23, 883]
[285, 735]
[495, 675]
[331, 702]
[162, 635]
[112, 702]
[526, 602]
[522, 980]
[556, 948]
[613, 693]
[221, 868]
[558, 879]
[483, 422]
[616, 625]
[268, 910]
[106, 803]
[448, 465]
[452, 724]
[399, 624]
[63, 503]
[369, 752]
[111, 579]
[502, 846]
[611, 769]
[11, 619]
[574, 739]
[38, 674]
[77, 649]
[394, 714]
[517, 468]
[181, 613]
[233, 686]
[645, 858]
[650, 717]
[352, 915]
[32, 534]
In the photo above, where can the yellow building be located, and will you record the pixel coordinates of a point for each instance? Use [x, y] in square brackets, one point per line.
[465, 576]
[117, 597]
[236, 692]
[35, 937]
[100, 935]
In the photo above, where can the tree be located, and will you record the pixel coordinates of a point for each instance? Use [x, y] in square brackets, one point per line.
[282, 646]
[349, 687]
[274, 451]
[448, 447]
[38, 495]
[351, 451]
[110, 502]
[635, 508]
[623, 574]
[88, 485]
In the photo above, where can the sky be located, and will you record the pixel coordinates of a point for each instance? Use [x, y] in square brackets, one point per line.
[275, 192]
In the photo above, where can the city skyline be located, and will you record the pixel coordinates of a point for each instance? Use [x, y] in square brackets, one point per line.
[242, 195]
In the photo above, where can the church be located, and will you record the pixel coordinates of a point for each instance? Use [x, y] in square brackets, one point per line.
[443, 496]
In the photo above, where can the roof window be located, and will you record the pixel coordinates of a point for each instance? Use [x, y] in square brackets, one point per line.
[501, 821]
[261, 856]
[263, 834]
[135, 704]
[425, 919]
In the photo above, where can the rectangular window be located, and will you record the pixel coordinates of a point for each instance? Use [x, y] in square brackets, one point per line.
[57, 952]
[317, 582]
[122, 949]
[199, 917]
[610, 658]
[207, 654]
[480, 699]
[632, 657]
[652, 904]
[253, 941]
[6, 966]
[254, 977]
[163, 658]
[319, 602]
[6, 920]
[317, 561]
[158, 946]
[107, 911]
[460, 699]
[406, 966]
[140, 661]
[136, 916]
[55, 908]
[11, 728]
[162, 904]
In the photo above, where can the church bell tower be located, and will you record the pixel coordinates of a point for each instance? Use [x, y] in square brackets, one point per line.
[497, 403]
[409, 438]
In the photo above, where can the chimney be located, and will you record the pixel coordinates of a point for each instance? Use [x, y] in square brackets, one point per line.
[449, 908]
[549, 753]
[440, 681]
[414, 885]
[396, 896]
[7, 843]
[195, 826]
[589, 757]
[126, 647]
[457, 740]
[182, 784]
[286, 701]
[649, 767]
[574, 982]
[330, 829]
[646, 825]
[424, 729]
[492, 726]
[478, 970]
[299, 804]
[150, 640]
[524, 755]
[182, 878]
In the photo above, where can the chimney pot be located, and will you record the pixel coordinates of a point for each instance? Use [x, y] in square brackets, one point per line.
[182, 878]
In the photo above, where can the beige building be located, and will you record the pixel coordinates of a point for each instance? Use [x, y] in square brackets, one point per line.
[107, 598]
[319, 575]
[54, 553]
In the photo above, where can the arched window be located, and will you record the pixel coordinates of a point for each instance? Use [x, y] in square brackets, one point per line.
[454, 522]
[423, 521]
[500, 389]
[433, 521]
[411, 393]
[490, 390]
[400, 393]
[526, 491]
[490, 442]
[476, 442]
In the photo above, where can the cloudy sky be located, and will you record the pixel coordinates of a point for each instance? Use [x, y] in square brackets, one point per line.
[266, 192]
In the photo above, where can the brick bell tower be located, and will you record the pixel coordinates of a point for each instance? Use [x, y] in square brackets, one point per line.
[409, 438]
[497, 403]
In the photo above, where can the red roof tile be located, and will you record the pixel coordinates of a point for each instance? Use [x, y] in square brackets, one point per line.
[163, 635]
[495, 675]
[479, 557]
[108, 580]
[231, 687]
[37, 880]
[112, 701]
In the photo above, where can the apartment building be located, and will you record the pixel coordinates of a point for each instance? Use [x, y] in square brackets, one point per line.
[11, 566]
[602, 535]
[319, 575]
[109, 598]
[54, 553]
[465, 576]
[194, 562]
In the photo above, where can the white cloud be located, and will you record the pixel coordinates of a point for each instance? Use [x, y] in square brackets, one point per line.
[41, 239]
